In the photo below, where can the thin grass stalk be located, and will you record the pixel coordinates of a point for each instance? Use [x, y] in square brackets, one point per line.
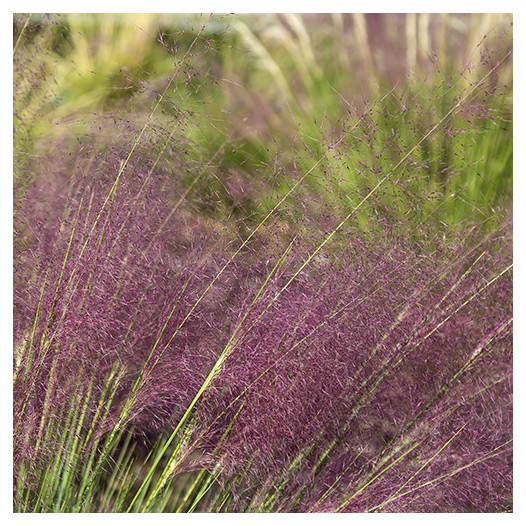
[374, 476]
[495, 452]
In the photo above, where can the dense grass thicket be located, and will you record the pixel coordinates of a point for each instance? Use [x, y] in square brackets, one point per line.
[262, 263]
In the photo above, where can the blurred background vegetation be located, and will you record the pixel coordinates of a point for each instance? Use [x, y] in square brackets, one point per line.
[252, 104]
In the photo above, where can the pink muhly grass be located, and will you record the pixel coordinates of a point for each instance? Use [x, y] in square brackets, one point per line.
[357, 362]
[109, 289]
[363, 379]
[367, 382]
[331, 348]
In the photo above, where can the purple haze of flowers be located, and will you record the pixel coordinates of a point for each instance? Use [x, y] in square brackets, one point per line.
[376, 380]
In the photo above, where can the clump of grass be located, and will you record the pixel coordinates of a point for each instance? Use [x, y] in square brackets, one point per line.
[327, 343]
[364, 357]
[351, 367]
